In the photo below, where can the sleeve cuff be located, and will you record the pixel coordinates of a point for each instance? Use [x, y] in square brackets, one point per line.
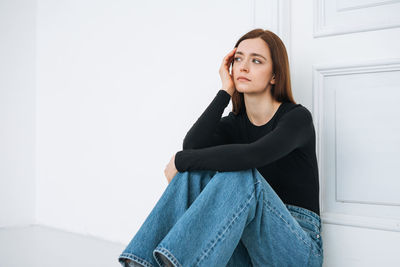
[224, 94]
[178, 161]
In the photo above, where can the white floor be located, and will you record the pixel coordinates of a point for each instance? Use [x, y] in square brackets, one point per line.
[38, 246]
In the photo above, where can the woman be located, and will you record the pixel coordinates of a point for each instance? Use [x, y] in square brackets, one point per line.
[247, 190]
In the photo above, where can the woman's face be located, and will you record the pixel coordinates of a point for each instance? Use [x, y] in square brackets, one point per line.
[257, 68]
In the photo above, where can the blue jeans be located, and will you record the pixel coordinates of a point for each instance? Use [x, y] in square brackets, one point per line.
[211, 218]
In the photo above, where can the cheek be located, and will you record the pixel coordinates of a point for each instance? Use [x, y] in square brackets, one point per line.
[236, 68]
[265, 75]
[233, 69]
[262, 78]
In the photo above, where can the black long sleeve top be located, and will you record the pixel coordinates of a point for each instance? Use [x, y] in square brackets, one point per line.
[282, 150]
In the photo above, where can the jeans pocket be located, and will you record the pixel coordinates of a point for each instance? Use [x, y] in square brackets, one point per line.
[312, 230]
[317, 239]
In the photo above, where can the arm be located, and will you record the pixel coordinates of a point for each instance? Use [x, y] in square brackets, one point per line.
[210, 129]
[293, 130]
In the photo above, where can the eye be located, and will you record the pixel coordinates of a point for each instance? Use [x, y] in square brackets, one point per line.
[259, 62]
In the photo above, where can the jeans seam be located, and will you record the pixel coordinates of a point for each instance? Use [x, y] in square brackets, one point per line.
[220, 237]
[319, 249]
[135, 258]
[295, 208]
[162, 250]
[315, 229]
[303, 216]
[293, 230]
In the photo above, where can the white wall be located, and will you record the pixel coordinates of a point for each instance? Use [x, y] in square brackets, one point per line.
[95, 99]
[118, 86]
[17, 112]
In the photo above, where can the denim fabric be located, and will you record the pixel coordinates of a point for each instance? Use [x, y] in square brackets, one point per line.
[211, 218]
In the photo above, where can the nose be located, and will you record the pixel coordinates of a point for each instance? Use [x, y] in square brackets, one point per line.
[243, 67]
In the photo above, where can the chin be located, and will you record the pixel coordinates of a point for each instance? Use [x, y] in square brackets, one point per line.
[249, 90]
[244, 89]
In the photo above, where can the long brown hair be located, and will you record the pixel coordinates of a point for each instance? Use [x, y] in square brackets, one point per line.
[280, 91]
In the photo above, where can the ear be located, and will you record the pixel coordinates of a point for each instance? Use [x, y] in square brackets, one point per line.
[273, 79]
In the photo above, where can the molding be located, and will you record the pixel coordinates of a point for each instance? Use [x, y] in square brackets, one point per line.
[319, 73]
[322, 29]
[374, 223]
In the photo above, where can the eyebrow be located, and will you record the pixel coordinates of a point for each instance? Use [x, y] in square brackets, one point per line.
[252, 54]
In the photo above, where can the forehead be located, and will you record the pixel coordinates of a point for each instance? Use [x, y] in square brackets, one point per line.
[256, 45]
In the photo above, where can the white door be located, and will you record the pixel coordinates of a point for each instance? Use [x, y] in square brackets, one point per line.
[345, 67]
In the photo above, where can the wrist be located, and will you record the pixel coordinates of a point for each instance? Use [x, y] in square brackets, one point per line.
[229, 91]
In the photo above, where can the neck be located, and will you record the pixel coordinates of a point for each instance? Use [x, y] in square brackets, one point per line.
[260, 107]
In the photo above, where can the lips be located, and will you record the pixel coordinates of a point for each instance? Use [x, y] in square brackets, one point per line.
[241, 78]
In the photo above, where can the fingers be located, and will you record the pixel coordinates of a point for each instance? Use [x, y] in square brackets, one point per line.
[229, 56]
[228, 59]
[232, 51]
